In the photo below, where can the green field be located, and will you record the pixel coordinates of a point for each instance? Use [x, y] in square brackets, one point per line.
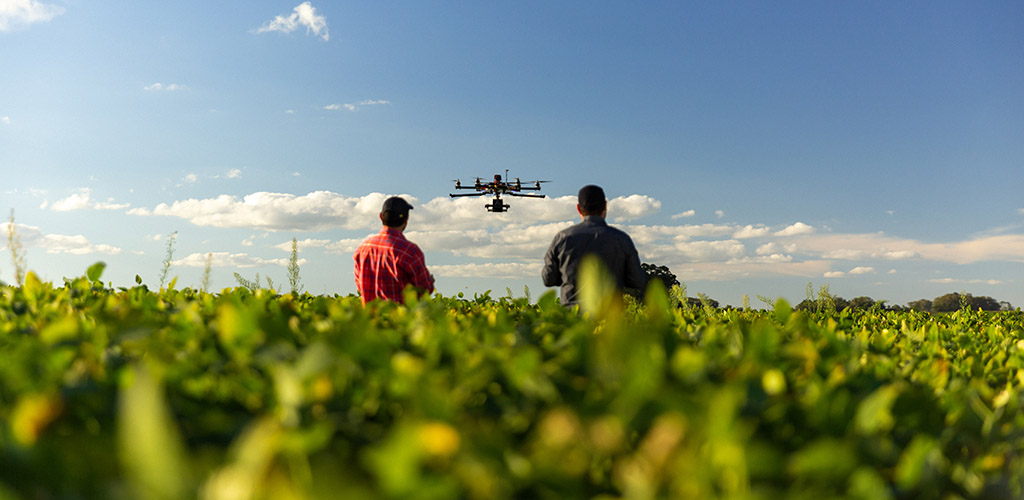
[136, 394]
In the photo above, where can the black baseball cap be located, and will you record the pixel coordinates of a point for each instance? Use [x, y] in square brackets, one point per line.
[591, 198]
[396, 205]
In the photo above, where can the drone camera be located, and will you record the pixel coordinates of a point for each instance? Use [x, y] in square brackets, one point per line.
[497, 206]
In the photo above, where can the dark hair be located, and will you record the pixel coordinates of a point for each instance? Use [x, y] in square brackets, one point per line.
[394, 219]
[592, 200]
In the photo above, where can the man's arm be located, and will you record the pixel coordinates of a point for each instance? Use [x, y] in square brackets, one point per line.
[420, 277]
[635, 276]
[552, 273]
[357, 271]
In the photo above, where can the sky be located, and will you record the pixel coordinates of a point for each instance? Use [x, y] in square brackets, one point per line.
[754, 148]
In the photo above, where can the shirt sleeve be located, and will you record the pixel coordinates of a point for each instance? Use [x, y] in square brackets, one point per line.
[417, 268]
[357, 270]
[635, 276]
[552, 273]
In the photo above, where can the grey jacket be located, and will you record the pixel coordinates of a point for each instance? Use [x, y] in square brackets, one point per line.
[591, 236]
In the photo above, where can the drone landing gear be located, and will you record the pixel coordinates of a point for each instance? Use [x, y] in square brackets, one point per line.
[497, 206]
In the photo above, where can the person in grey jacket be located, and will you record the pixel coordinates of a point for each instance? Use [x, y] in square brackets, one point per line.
[592, 235]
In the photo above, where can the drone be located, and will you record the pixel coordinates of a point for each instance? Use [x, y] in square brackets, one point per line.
[497, 187]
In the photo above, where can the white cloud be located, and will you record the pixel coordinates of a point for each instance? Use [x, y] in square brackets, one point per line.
[750, 231]
[289, 111]
[744, 268]
[303, 244]
[683, 215]
[648, 234]
[354, 106]
[33, 237]
[968, 282]
[303, 15]
[191, 178]
[226, 259]
[316, 211]
[159, 87]
[774, 247]
[835, 274]
[6, 120]
[82, 200]
[795, 229]
[21, 13]
[77, 201]
[1004, 247]
[1019, 210]
[233, 174]
[501, 270]
[631, 207]
[862, 270]
[719, 214]
[324, 210]
[707, 251]
[862, 254]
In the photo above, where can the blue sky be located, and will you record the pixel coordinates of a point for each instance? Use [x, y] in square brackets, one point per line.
[876, 147]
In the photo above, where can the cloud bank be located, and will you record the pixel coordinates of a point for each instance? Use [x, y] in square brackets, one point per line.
[513, 244]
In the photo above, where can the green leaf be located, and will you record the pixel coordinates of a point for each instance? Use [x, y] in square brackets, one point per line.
[138, 279]
[63, 329]
[919, 460]
[875, 413]
[867, 484]
[597, 288]
[149, 445]
[826, 459]
[95, 271]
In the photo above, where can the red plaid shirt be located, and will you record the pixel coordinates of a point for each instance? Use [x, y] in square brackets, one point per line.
[386, 262]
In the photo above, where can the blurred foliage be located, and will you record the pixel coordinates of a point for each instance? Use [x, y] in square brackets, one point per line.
[136, 394]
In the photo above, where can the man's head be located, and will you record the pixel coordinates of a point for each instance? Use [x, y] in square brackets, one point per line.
[395, 212]
[591, 201]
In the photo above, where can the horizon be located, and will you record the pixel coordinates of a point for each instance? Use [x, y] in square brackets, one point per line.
[750, 148]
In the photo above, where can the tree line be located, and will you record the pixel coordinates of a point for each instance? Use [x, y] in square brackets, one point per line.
[823, 299]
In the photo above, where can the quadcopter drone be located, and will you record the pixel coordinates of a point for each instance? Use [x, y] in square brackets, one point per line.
[497, 187]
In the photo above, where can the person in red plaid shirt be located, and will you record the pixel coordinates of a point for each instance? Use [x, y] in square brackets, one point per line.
[386, 262]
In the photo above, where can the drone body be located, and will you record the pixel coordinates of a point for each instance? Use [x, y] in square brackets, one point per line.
[498, 187]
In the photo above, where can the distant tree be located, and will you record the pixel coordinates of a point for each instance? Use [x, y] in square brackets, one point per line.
[923, 305]
[662, 273]
[701, 301]
[946, 303]
[862, 302]
[984, 303]
[807, 305]
[1005, 306]
[953, 301]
